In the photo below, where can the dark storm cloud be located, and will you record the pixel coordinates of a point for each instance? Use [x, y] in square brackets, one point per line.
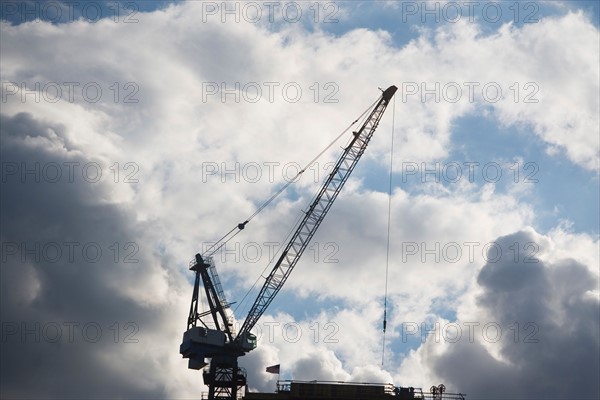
[561, 359]
[48, 298]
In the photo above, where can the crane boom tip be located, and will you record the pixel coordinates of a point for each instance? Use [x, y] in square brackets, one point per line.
[389, 92]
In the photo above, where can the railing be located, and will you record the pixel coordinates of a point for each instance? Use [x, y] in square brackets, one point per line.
[212, 270]
[204, 396]
[443, 396]
[389, 389]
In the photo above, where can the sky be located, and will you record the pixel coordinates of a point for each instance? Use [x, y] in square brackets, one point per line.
[135, 134]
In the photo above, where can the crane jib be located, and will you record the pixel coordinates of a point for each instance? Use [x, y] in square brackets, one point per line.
[316, 213]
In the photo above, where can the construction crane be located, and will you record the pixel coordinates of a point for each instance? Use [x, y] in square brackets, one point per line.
[221, 344]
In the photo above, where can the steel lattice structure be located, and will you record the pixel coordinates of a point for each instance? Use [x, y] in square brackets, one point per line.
[224, 378]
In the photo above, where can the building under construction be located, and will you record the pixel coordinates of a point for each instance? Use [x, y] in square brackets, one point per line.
[315, 390]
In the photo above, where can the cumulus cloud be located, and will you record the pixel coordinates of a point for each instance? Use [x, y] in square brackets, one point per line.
[83, 287]
[534, 321]
[171, 137]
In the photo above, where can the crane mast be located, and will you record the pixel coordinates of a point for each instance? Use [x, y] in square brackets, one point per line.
[224, 378]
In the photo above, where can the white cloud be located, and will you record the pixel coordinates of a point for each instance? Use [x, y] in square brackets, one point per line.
[172, 134]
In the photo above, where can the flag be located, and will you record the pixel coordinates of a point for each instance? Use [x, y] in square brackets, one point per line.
[273, 369]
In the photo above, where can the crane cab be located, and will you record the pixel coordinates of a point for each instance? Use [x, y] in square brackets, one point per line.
[200, 343]
[247, 341]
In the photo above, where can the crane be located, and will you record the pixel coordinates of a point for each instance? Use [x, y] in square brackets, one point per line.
[221, 344]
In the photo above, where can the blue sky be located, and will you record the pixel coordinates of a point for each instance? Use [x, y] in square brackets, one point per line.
[482, 145]
[372, 14]
[169, 114]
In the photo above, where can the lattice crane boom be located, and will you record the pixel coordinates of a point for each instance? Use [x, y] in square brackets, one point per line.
[315, 214]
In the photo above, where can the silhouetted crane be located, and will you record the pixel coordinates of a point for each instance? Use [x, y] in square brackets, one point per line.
[224, 377]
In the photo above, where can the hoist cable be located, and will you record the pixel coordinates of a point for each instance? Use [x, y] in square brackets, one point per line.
[222, 243]
[208, 253]
[387, 259]
[268, 265]
[363, 115]
[311, 162]
[228, 236]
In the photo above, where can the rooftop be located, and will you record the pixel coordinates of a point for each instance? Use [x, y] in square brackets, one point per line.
[322, 390]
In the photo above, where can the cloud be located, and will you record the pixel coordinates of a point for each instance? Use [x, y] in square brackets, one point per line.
[84, 292]
[167, 139]
[319, 366]
[544, 324]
